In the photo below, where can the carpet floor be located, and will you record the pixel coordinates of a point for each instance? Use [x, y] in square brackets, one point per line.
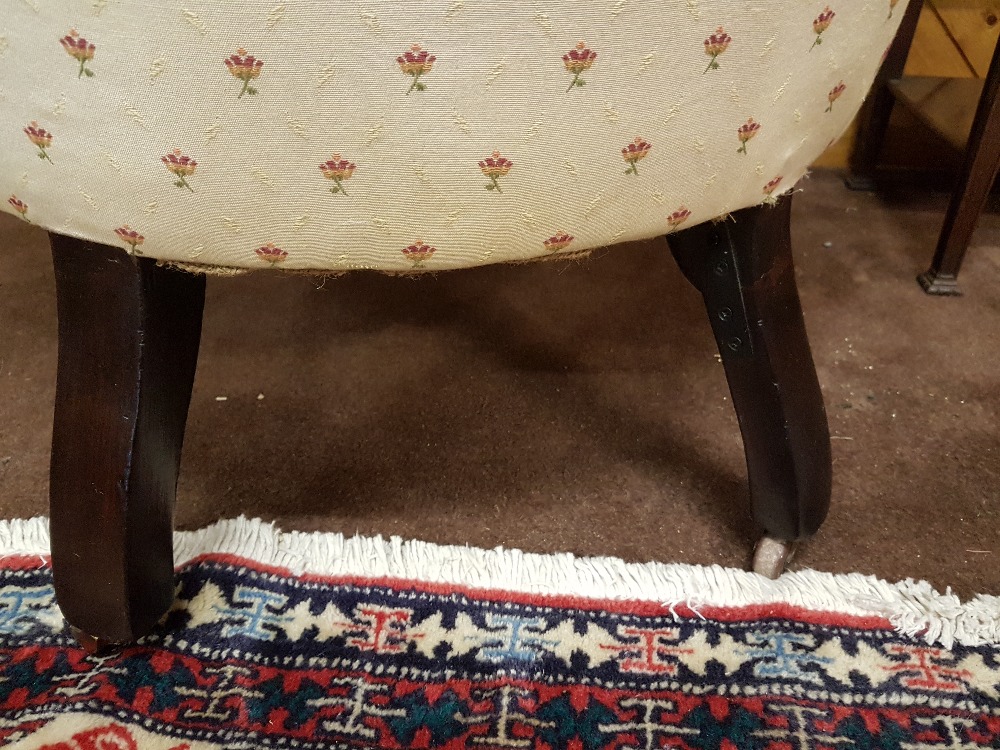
[577, 407]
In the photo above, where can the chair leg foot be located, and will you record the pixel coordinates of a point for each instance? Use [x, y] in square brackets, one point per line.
[771, 555]
[939, 285]
[93, 645]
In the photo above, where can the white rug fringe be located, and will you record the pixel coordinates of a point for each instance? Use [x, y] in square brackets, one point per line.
[913, 607]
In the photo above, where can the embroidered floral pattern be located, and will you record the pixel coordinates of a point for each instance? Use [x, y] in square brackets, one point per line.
[678, 217]
[416, 62]
[495, 167]
[821, 24]
[634, 153]
[246, 68]
[271, 253]
[746, 132]
[337, 170]
[558, 241]
[769, 189]
[80, 50]
[834, 95]
[419, 252]
[577, 61]
[130, 237]
[715, 45]
[20, 206]
[180, 166]
[41, 138]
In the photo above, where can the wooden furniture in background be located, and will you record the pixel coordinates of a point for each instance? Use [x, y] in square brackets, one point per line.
[946, 105]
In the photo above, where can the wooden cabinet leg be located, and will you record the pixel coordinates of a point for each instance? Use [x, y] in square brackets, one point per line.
[982, 160]
[128, 346]
[873, 119]
[743, 268]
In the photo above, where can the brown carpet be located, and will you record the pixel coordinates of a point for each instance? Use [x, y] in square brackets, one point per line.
[575, 407]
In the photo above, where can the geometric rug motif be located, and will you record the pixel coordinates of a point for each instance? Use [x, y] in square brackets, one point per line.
[253, 657]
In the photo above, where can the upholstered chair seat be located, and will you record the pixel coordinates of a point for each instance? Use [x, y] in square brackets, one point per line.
[411, 135]
[404, 136]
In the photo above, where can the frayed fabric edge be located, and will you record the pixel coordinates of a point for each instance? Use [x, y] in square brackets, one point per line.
[914, 608]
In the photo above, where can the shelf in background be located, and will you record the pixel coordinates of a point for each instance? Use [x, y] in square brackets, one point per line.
[945, 105]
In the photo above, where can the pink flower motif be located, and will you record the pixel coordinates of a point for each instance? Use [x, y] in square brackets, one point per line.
[634, 153]
[271, 254]
[130, 237]
[715, 45]
[745, 133]
[769, 189]
[338, 170]
[244, 67]
[18, 205]
[821, 24]
[41, 138]
[834, 94]
[678, 217]
[80, 50]
[419, 252]
[180, 166]
[415, 63]
[557, 242]
[494, 167]
[577, 61]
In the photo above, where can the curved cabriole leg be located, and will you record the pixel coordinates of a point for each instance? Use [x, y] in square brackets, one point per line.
[743, 268]
[128, 345]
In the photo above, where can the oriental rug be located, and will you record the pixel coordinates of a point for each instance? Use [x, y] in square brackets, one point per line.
[321, 641]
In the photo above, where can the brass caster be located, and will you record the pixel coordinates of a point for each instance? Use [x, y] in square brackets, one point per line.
[92, 645]
[771, 555]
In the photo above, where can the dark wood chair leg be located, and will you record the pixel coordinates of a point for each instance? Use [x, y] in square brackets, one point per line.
[873, 120]
[982, 160]
[128, 346]
[743, 269]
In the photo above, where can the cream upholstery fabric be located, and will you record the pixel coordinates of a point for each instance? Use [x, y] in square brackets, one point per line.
[416, 134]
